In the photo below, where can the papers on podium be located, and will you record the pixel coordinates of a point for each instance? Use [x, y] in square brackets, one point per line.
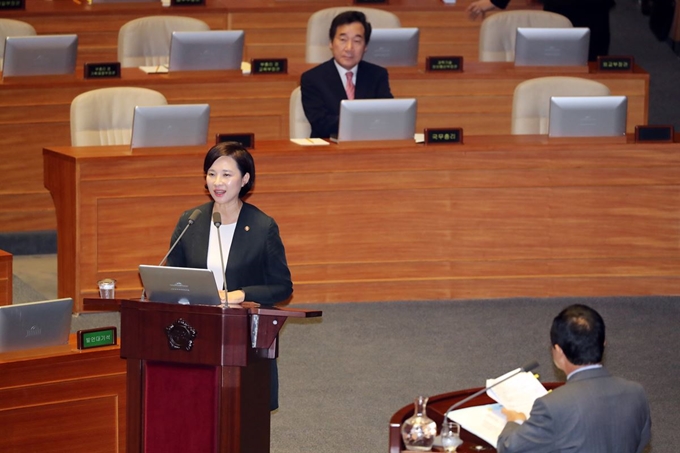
[517, 393]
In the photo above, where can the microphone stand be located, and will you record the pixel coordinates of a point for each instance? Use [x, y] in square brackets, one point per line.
[217, 219]
[528, 367]
[192, 218]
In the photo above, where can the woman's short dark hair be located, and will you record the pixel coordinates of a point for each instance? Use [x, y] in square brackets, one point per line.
[349, 17]
[579, 331]
[244, 161]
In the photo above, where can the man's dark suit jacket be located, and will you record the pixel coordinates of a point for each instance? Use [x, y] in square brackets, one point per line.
[594, 412]
[322, 91]
[256, 264]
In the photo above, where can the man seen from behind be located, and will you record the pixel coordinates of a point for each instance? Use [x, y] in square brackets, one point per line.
[594, 412]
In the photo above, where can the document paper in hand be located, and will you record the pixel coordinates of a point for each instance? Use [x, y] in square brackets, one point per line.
[517, 393]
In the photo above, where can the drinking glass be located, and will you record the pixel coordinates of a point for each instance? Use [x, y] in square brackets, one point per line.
[450, 435]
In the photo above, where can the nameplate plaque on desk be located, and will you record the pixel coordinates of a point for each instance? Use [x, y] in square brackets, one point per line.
[101, 70]
[97, 338]
[441, 136]
[7, 5]
[612, 63]
[269, 66]
[654, 134]
[186, 2]
[449, 64]
[247, 140]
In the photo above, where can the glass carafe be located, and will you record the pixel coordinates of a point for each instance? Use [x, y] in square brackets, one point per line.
[418, 432]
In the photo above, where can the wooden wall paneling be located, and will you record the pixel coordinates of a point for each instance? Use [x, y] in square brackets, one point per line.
[5, 278]
[499, 217]
[63, 400]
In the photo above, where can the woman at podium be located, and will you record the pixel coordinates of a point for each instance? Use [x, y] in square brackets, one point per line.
[252, 258]
[237, 241]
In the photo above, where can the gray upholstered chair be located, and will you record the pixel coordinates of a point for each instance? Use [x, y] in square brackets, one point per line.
[104, 116]
[531, 100]
[298, 126]
[497, 32]
[11, 27]
[146, 41]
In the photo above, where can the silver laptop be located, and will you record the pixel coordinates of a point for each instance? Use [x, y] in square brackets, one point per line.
[587, 116]
[40, 55]
[206, 50]
[552, 46]
[377, 119]
[179, 285]
[35, 324]
[170, 125]
[393, 47]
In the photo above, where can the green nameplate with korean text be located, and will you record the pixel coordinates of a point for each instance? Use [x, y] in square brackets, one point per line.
[97, 338]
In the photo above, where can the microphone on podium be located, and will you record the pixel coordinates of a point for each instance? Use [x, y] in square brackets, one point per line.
[192, 218]
[217, 220]
[528, 367]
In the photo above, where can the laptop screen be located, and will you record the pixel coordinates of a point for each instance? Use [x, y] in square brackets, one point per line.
[35, 324]
[179, 285]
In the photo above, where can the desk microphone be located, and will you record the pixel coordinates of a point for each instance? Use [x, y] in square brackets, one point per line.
[192, 218]
[217, 220]
[528, 367]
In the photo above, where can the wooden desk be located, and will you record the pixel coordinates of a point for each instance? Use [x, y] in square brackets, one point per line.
[63, 400]
[34, 112]
[5, 278]
[273, 28]
[436, 409]
[500, 216]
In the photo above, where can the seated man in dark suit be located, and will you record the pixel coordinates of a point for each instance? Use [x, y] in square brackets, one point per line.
[594, 412]
[344, 76]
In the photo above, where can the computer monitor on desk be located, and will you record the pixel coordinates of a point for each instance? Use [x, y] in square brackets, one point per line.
[40, 55]
[552, 46]
[170, 125]
[35, 324]
[587, 116]
[377, 119]
[393, 47]
[206, 50]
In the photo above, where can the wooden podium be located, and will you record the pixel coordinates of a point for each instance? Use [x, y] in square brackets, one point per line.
[199, 376]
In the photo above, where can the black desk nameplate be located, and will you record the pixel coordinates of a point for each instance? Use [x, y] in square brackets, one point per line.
[246, 139]
[440, 136]
[448, 64]
[614, 63]
[12, 5]
[187, 2]
[654, 134]
[269, 66]
[101, 70]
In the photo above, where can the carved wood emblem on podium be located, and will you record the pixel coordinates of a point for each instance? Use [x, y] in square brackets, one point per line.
[180, 335]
